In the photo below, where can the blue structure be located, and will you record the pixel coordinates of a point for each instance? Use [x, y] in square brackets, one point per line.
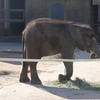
[57, 12]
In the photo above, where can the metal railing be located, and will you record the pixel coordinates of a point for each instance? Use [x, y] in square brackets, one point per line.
[5, 19]
[46, 60]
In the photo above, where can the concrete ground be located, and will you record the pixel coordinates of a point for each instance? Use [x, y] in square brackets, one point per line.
[12, 89]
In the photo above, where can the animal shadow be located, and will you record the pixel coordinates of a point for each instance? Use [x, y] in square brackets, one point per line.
[84, 90]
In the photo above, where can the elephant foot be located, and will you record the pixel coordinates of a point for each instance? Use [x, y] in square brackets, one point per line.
[63, 77]
[24, 79]
[36, 81]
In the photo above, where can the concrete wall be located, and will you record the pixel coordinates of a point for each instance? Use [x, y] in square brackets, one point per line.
[7, 27]
[75, 10]
[96, 2]
[17, 4]
[1, 17]
[78, 10]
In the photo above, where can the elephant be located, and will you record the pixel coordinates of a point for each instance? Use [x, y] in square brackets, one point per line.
[45, 36]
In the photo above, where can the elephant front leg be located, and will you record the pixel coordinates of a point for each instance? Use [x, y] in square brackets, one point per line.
[34, 76]
[68, 71]
[67, 53]
[23, 75]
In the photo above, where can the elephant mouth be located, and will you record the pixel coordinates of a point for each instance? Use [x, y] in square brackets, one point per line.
[96, 51]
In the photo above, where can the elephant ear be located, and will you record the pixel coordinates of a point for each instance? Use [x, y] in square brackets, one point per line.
[76, 34]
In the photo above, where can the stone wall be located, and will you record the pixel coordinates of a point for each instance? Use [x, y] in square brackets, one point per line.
[75, 10]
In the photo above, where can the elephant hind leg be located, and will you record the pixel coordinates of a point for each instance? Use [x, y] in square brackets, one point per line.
[24, 71]
[23, 75]
[34, 75]
[34, 53]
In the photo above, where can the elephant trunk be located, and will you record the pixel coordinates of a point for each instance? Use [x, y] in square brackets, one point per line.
[96, 53]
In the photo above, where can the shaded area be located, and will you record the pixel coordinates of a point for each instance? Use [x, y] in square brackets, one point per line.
[82, 84]
[78, 83]
[9, 39]
[67, 89]
[10, 47]
[5, 72]
[11, 55]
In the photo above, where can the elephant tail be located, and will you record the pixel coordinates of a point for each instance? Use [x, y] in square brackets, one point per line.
[23, 47]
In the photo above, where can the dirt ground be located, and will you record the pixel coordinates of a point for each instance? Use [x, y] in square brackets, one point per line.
[51, 89]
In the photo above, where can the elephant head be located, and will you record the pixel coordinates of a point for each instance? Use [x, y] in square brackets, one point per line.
[84, 39]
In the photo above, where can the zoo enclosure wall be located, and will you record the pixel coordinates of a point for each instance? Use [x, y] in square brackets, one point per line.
[12, 17]
[83, 11]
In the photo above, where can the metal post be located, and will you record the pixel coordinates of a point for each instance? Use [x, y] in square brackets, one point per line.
[6, 13]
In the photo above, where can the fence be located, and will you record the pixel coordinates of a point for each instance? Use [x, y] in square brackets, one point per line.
[7, 11]
[46, 60]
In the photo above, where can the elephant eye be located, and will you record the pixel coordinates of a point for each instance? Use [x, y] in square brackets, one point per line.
[91, 36]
